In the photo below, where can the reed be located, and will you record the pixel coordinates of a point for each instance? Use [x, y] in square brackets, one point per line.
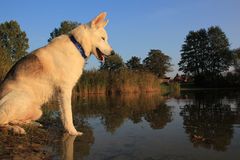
[118, 82]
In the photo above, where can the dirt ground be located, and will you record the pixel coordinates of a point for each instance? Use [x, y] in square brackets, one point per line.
[38, 143]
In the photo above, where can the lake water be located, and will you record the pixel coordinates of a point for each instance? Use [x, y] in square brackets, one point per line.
[194, 125]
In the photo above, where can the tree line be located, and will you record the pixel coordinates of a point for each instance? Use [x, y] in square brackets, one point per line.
[206, 55]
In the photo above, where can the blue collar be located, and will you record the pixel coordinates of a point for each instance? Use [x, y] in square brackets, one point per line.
[78, 46]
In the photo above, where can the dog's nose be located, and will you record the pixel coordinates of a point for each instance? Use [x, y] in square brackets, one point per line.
[112, 53]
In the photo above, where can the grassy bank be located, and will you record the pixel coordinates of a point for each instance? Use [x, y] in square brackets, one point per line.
[123, 81]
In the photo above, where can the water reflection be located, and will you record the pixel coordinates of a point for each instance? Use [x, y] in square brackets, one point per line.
[68, 147]
[209, 117]
[113, 111]
[83, 144]
[143, 126]
[77, 147]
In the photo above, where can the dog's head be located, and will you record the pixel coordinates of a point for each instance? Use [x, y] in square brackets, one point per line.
[93, 37]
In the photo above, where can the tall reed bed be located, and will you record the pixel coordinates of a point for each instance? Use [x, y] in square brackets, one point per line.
[117, 82]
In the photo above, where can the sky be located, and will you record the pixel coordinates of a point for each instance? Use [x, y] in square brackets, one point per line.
[135, 26]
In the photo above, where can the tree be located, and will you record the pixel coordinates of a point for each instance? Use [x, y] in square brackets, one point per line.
[193, 56]
[205, 53]
[236, 60]
[219, 53]
[6, 62]
[157, 62]
[65, 28]
[134, 64]
[13, 40]
[113, 63]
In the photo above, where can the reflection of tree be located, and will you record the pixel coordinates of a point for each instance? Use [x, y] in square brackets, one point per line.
[114, 110]
[209, 121]
[159, 117]
[136, 117]
[113, 118]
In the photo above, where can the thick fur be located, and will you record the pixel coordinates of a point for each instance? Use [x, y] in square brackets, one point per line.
[58, 65]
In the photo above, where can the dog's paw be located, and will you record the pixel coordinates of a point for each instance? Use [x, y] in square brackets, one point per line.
[17, 130]
[75, 133]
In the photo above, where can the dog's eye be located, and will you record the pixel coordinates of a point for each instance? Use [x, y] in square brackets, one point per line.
[103, 38]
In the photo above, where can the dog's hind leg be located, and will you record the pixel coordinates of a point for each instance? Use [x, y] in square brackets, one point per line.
[14, 125]
[30, 120]
[15, 112]
[10, 127]
[5, 123]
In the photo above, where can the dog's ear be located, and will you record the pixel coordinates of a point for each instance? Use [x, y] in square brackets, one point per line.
[99, 21]
[104, 23]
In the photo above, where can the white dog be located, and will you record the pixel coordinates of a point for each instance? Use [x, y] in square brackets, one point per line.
[56, 66]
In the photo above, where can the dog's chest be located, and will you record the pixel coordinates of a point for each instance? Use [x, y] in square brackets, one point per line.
[74, 67]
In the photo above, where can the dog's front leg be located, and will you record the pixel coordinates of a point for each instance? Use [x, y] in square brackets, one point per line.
[66, 111]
